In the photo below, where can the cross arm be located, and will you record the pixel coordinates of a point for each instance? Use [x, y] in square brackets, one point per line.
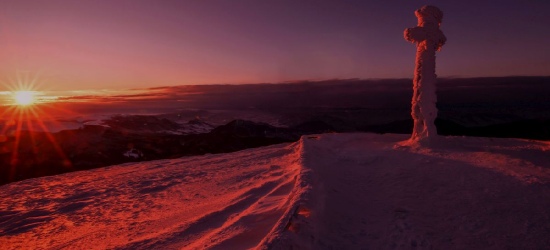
[415, 35]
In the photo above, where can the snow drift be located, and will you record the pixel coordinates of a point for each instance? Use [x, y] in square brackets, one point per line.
[328, 191]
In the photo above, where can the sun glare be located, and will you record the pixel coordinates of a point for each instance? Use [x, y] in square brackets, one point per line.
[24, 108]
[24, 98]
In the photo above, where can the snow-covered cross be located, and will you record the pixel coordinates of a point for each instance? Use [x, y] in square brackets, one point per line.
[429, 39]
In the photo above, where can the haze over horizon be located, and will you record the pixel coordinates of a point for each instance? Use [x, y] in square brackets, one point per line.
[81, 45]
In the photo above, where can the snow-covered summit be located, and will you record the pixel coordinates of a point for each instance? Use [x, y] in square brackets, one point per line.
[344, 191]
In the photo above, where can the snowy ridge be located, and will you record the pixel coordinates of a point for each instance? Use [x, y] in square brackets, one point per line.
[214, 201]
[344, 191]
[466, 193]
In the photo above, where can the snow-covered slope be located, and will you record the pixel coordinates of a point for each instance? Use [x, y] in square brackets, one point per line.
[196, 202]
[469, 193]
[343, 191]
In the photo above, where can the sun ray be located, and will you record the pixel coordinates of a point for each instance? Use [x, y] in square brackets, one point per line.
[15, 153]
[29, 112]
[66, 162]
[11, 119]
[30, 127]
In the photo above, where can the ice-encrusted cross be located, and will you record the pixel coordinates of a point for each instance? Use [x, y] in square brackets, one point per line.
[428, 39]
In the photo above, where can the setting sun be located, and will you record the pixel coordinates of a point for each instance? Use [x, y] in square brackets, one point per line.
[24, 98]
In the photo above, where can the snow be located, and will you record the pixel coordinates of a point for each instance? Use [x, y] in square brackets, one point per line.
[342, 191]
[133, 153]
[470, 193]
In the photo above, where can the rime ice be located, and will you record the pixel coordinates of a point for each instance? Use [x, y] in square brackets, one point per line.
[428, 39]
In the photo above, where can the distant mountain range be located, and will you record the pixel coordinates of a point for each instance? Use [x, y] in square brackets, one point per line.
[141, 138]
[227, 118]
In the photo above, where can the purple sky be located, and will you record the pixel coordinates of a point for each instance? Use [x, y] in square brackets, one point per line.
[85, 44]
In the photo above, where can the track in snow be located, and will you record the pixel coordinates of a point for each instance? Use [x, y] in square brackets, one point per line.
[226, 201]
